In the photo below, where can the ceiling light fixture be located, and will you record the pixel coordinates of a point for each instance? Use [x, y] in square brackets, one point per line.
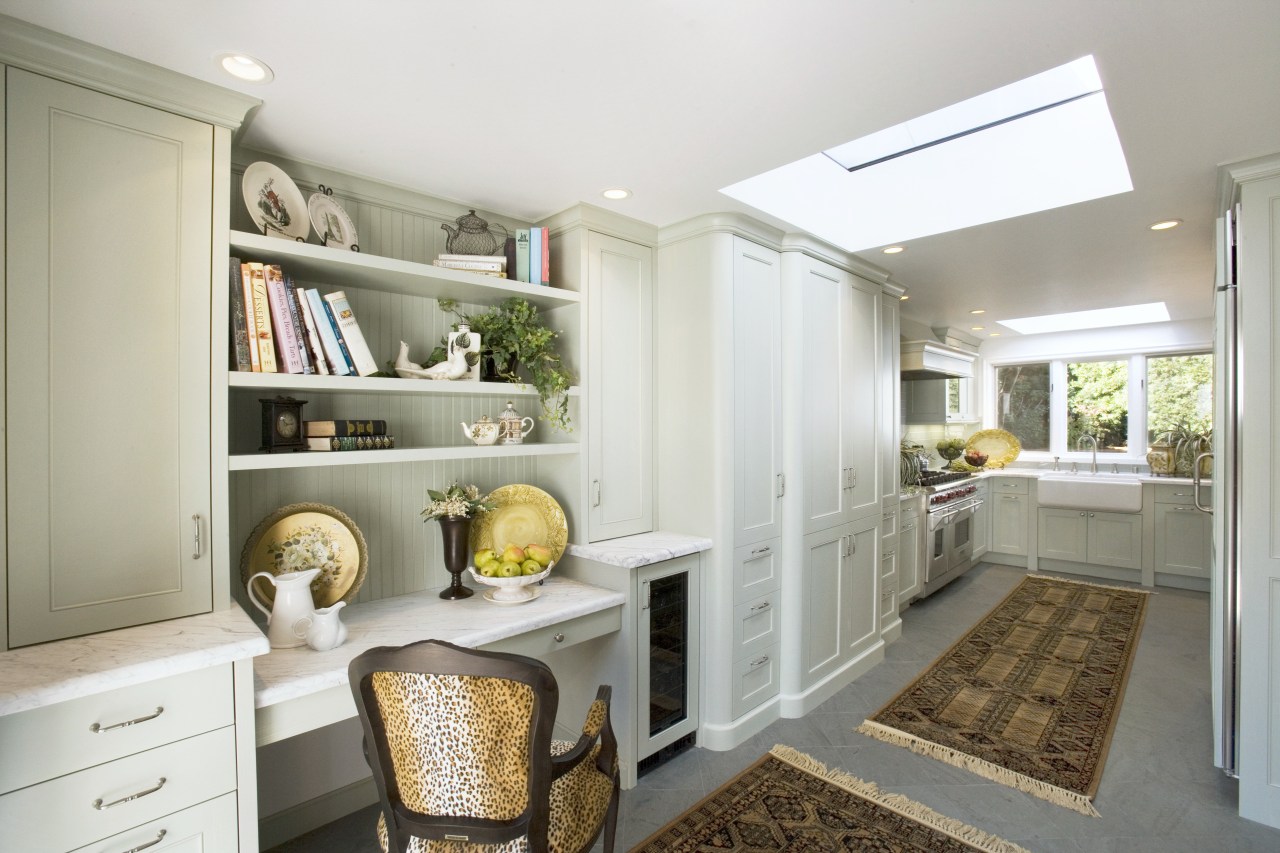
[994, 335]
[978, 311]
[976, 328]
[1125, 315]
[903, 298]
[616, 194]
[245, 67]
[1165, 224]
[894, 250]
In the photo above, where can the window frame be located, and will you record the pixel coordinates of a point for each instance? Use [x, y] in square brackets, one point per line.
[1137, 394]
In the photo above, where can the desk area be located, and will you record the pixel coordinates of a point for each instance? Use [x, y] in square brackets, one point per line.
[297, 690]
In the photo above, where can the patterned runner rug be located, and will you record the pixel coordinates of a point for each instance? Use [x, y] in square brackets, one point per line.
[789, 801]
[1030, 695]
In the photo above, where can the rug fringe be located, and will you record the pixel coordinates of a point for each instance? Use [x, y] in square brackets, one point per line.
[1137, 589]
[985, 769]
[906, 806]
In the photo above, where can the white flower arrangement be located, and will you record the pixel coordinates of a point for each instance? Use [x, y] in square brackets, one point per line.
[456, 501]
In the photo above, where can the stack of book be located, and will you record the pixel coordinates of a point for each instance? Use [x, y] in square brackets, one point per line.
[338, 435]
[533, 256]
[279, 328]
[492, 265]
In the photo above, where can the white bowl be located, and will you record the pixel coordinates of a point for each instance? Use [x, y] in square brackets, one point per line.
[511, 589]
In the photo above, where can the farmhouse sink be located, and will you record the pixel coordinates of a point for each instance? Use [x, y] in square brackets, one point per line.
[1103, 492]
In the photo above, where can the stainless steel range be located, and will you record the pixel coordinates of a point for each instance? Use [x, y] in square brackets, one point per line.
[950, 502]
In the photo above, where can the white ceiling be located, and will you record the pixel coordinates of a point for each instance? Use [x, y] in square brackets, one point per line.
[527, 108]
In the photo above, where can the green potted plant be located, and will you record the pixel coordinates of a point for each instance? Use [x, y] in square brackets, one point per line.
[518, 347]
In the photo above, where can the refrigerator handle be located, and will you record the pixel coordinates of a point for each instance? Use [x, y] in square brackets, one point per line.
[1195, 474]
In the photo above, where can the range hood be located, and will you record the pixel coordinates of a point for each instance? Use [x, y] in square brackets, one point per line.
[932, 360]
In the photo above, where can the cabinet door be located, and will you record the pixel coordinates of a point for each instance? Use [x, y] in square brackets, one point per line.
[107, 361]
[1064, 535]
[667, 666]
[860, 621]
[1182, 541]
[910, 546]
[859, 389]
[890, 403]
[825, 587]
[620, 388]
[1115, 539]
[1009, 524]
[982, 522]
[757, 398]
[924, 401]
[825, 302]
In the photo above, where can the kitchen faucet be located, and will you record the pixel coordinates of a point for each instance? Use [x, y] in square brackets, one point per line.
[1093, 466]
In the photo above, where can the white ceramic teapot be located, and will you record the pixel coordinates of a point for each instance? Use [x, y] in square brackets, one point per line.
[325, 630]
[292, 610]
[483, 432]
[511, 427]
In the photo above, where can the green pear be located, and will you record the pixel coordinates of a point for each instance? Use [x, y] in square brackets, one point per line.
[509, 569]
[513, 553]
[530, 567]
[483, 556]
[541, 553]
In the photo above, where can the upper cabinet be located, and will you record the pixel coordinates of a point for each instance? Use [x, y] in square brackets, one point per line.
[108, 249]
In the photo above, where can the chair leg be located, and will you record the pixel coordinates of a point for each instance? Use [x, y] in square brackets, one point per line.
[611, 818]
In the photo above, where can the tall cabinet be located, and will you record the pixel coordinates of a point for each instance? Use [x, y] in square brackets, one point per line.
[719, 449]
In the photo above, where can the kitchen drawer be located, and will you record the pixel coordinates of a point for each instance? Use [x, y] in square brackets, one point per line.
[1181, 493]
[889, 524]
[889, 563]
[755, 681]
[888, 601]
[209, 827]
[1009, 486]
[79, 808]
[755, 626]
[560, 635]
[755, 570]
[46, 742]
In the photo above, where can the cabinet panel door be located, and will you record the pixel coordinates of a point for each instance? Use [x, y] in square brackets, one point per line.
[982, 522]
[1064, 535]
[859, 387]
[1009, 524]
[107, 353]
[620, 353]
[757, 399]
[859, 601]
[909, 553]
[825, 588]
[1115, 539]
[824, 303]
[1182, 541]
[890, 402]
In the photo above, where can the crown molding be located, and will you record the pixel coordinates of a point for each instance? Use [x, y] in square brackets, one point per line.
[600, 220]
[721, 223]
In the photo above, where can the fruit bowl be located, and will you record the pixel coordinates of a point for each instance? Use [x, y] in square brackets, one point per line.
[975, 458]
[510, 590]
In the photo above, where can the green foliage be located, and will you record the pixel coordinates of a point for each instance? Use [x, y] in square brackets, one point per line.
[1098, 403]
[1179, 394]
[1023, 403]
[523, 349]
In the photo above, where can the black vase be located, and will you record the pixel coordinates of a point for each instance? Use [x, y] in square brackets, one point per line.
[491, 371]
[455, 533]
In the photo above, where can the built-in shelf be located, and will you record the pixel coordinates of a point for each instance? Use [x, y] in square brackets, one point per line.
[320, 265]
[380, 385]
[322, 459]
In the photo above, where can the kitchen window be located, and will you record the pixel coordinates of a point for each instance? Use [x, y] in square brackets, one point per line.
[1122, 402]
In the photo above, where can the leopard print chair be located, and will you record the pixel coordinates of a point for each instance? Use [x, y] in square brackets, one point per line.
[460, 746]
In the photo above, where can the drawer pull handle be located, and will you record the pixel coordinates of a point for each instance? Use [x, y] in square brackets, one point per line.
[102, 807]
[98, 729]
[762, 606]
[559, 638]
[889, 554]
[765, 550]
[759, 662]
[152, 843]
[907, 527]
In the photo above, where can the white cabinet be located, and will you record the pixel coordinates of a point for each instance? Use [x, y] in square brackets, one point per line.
[839, 617]
[110, 511]
[838, 350]
[982, 520]
[1182, 540]
[1010, 516]
[890, 400]
[1084, 536]
[619, 387]
[910, 550]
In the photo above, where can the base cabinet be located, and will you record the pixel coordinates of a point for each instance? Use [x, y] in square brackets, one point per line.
[1083, 536]
[982, 521]
[910, 552]
[839, 583]
[1010, 514]
[668, 654]
[1182, 541]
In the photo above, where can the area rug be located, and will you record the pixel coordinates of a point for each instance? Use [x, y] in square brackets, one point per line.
[789, 801]
[1030, 695]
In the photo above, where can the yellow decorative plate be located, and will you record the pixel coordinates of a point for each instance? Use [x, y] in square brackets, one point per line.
[307, 536]
[1001, 447]
[522, 515]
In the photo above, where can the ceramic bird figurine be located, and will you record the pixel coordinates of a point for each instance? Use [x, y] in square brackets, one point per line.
[454, 367]
[405, 368]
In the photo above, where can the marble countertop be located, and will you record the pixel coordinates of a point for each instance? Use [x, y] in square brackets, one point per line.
[36, 676]
[287, 674]
[643, 549]
[1037, 473]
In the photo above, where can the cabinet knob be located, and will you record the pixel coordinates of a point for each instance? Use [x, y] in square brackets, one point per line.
[559, 638]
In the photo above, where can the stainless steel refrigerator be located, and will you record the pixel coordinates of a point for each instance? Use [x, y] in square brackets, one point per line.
[1227, 421]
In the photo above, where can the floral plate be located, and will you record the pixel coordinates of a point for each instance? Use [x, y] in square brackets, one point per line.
[307, 536]
[274, 201]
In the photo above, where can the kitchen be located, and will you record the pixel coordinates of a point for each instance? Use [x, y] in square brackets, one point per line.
[986, 286]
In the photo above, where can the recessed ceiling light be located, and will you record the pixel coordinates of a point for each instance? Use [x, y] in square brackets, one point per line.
[903, 298]
[1125, 315]
[616, 194]
[978, 311]
[1165, 224]
[894, 250]
[245, 67]
[994, 335]
[976, 328]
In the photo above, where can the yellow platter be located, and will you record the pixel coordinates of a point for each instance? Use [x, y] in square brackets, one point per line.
[522, 515]
[307, 536]
[1000, 446]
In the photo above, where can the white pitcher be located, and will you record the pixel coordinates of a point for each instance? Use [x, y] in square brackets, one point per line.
[291, 613]
[324, 629]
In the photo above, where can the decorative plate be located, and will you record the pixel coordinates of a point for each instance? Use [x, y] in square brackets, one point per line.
[331, 221]
[522, 515]
[307, 536]
[1001, 447]
[274, 201]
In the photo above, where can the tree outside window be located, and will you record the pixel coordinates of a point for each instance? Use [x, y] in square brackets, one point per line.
[1098, 405]
[1179, 394]
[1022, 403]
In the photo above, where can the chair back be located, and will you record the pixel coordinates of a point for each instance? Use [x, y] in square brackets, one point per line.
[458, 741]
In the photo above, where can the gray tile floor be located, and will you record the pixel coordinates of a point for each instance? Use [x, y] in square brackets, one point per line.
[1160, 791]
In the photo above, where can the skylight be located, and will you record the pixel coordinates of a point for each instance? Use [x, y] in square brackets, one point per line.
[1043, 142]
[1125, 315]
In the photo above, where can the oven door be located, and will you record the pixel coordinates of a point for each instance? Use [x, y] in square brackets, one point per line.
[940, 539]
[961, 528]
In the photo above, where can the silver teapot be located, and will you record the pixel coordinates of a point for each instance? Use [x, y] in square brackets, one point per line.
[473, 236]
